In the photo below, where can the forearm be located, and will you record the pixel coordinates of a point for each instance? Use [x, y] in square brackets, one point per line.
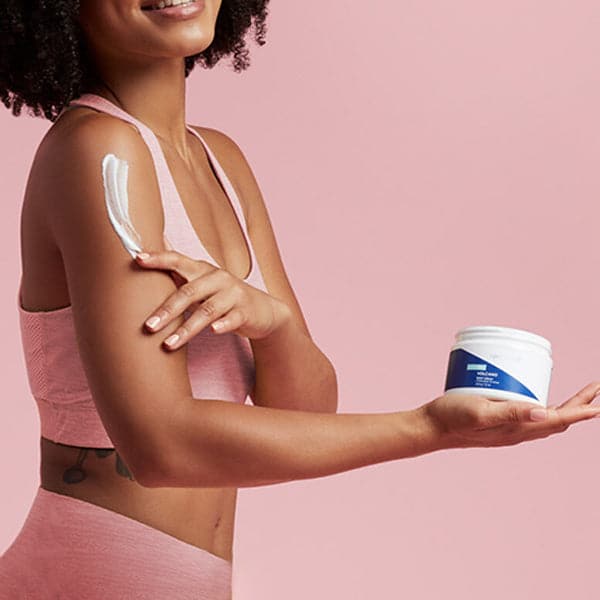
[221, 444]
[293, 373]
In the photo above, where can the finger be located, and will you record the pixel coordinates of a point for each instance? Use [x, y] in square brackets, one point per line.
[231, 321]
[583, 396]
[560, 420]
[510, 411]
[178, 279]
[191, 292]
[187, 267]
[211, 309]
[571, 414]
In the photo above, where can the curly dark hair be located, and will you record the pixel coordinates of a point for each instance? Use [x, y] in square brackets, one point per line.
[44, 63]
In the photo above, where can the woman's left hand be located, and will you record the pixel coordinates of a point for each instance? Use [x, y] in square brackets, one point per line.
[216, 297]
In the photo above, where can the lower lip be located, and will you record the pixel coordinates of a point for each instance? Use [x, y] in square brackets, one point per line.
[178, 12]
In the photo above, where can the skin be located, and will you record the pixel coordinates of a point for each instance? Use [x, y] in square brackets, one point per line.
[177, 462]
[137, 71]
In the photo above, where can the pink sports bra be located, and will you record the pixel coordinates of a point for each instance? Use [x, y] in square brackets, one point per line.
[219, 366]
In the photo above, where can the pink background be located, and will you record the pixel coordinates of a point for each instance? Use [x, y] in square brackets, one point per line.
[427, 165]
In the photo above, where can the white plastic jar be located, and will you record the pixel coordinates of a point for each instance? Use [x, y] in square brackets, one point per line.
[500, 363]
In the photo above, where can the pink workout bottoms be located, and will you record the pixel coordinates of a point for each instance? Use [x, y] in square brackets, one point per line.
[70, 549]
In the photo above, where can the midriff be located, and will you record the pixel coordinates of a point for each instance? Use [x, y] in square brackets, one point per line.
[203, 517]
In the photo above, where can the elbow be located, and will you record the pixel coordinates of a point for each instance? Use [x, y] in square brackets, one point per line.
[332, 404]
[164, 468]
[325, 398]
[150, 473]
[174, 464]
[176, 476]
[150, 460]
[173, 450]
[152, 478]
[334, 385]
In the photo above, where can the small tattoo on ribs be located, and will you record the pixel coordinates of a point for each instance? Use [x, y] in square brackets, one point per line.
[76, 472]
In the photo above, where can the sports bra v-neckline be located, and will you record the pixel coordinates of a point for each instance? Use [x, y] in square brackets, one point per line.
[175, 213]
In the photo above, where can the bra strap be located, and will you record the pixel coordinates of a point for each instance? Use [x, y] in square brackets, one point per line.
[224, 179]
[167, 188]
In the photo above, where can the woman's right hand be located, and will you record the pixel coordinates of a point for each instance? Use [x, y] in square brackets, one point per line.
[462, 421]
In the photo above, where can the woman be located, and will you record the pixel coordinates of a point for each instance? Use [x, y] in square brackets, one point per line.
[144, 444]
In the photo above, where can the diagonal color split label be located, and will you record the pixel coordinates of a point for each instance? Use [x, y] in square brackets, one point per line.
[462, 374]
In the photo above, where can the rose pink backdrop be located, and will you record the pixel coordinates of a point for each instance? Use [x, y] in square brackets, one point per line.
[427, 165]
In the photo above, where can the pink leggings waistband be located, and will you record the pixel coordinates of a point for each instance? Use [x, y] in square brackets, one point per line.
[72, 549]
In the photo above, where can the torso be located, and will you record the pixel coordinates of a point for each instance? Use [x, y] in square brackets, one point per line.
[201, 517]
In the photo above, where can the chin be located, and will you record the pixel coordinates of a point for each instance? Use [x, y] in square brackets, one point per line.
[124, 27]
[188, 47]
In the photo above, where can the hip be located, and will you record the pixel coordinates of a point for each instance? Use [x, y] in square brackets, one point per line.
[70, 548]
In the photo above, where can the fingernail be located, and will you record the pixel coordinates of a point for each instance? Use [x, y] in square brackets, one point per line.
[153, 322]
[143, 255]
[538, 414]
[171, 339]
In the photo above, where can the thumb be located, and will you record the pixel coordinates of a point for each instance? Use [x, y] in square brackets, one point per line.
[538, 413]
[516, 411]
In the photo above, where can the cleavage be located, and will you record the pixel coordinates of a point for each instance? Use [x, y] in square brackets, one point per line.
[209, 210]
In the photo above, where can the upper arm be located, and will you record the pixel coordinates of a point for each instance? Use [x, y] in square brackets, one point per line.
[135, 383]
[260, 228]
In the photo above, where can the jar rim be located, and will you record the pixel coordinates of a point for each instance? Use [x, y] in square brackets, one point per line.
[511, 333]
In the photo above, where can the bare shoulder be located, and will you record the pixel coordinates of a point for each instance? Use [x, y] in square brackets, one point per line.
[218, 139]
[60, 196]
[80, 127]
[78, 138]
[81, 134]
[68, 164]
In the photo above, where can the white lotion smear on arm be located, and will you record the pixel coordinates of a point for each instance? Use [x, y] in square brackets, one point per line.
[114, 175]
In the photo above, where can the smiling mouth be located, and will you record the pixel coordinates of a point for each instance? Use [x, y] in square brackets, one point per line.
[167, 4]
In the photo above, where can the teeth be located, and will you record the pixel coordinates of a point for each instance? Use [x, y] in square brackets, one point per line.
[167, 3]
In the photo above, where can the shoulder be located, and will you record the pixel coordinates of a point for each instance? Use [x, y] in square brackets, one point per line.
[219, 140]
[227, 151]
[68, 169]
[83, 133]
[74, 146]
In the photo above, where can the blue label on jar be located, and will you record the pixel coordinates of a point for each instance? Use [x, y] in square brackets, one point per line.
[467, 370]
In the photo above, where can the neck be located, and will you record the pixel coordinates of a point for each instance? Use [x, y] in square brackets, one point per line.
[154, 94]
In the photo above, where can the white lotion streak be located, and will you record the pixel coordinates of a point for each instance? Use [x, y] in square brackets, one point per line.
[114, 175]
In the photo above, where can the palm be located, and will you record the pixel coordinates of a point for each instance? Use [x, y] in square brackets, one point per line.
[466, 420]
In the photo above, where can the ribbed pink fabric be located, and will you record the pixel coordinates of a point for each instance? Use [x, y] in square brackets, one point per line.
[69, 549]
[220, 366]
